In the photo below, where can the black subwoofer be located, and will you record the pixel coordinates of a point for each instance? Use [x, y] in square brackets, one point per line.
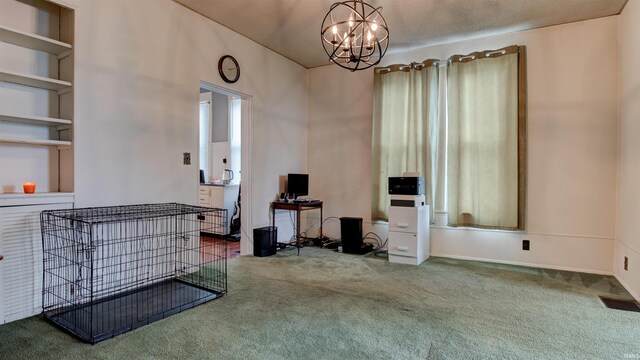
[351, 234]
[264, 241]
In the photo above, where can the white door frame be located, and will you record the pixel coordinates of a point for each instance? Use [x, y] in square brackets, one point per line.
[246, 217]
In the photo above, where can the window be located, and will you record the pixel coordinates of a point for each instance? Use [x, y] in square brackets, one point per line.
[406, 131]
[484, 118]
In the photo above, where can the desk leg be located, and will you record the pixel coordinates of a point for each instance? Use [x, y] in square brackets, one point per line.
[298, 230]
[273, 222]
[321, 237]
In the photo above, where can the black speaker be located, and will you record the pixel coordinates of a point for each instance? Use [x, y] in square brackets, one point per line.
[265, 241]
[351, 234]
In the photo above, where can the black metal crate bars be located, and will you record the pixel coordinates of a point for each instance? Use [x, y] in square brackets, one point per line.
[108, 270]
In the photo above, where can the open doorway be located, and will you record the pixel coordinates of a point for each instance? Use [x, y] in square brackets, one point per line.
[224, 148]
[220, 137]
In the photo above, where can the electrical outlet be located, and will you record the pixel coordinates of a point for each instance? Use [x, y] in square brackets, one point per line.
[525, 245]
[186, 158]
[626, 263]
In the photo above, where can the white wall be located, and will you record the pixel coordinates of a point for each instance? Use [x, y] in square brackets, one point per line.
[628, 226]
[572, 145]
[138, 67]
[339, 162]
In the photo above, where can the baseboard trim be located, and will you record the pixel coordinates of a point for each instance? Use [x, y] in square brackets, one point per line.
[522, 232]
[627, 287]
[540, 266]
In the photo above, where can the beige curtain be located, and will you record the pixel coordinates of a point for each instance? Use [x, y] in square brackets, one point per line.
[485, 143]
[407, 135]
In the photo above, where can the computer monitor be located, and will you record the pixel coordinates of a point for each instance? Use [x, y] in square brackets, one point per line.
[298, 184]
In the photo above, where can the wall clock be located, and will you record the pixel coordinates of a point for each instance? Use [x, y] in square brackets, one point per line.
[229, 69]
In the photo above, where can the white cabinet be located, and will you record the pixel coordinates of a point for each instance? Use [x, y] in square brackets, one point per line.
[220, 197]
[408, 234]
[21, 266]
[204, 196]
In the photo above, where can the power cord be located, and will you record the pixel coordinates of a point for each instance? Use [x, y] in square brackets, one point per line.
[381, 252]
[331, 244]
[330, 217]
[377, 239]
[322, 224]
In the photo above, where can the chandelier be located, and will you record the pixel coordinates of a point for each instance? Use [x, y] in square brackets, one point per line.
[354, 35]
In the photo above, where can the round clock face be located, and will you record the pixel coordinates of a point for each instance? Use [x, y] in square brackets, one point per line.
[229, 69]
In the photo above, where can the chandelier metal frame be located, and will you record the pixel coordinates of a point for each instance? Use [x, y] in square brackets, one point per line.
[357, 42]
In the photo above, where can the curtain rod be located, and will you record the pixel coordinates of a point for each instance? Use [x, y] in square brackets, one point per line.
[513, 49]
[407, 67]
[454, 58]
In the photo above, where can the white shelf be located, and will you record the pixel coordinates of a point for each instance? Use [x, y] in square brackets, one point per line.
[37, 120]
[17, 199]
[43, 142]
[33, 80]
[33, 41]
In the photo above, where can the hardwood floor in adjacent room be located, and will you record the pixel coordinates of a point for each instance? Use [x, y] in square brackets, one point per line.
[211, 245]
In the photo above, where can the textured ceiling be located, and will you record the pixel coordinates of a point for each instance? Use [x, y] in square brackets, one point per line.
[292, 27]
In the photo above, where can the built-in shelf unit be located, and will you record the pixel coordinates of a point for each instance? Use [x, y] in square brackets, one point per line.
[36, 87]
[36, 141]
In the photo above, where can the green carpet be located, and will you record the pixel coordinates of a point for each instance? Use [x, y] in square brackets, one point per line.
[325, 305]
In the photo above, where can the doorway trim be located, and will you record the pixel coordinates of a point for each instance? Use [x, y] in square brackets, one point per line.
[246, 149]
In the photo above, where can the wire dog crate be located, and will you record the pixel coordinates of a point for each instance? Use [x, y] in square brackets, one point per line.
[108, 270]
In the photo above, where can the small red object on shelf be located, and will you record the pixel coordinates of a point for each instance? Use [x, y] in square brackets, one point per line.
[29, 187]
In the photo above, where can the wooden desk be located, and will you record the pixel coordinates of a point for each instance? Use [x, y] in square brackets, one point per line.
[297, 207]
